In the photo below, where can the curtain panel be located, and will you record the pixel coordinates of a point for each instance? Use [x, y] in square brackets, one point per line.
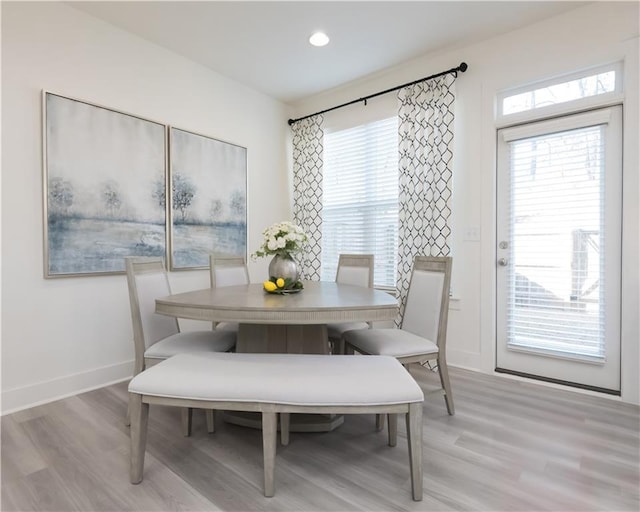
[425, 145]
[307, 191]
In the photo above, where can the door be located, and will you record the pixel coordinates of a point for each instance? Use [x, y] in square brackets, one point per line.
[559, 249]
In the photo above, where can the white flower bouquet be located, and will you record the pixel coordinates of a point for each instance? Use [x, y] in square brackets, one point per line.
[282, 238]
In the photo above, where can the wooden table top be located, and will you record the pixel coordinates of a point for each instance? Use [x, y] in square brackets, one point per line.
[320, 302]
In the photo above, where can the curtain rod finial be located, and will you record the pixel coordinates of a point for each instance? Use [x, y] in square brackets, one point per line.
[463, 66]
[290, 122]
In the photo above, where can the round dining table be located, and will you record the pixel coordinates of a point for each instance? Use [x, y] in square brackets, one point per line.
[287, 323]
[283, 323]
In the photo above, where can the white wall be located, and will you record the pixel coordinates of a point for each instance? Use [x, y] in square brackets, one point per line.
[596, 34]
[63, 335]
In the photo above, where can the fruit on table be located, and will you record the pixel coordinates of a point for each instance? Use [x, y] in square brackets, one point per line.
[280, 282]
[269, 286]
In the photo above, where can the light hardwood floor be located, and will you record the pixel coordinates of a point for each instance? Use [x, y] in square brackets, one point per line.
[511, 446]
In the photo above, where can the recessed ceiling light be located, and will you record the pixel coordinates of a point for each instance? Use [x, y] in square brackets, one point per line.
[319, 39]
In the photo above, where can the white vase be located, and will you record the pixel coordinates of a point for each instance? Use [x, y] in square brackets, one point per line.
[285, 267]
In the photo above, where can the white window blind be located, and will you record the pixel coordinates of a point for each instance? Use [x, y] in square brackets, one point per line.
[360, 196]
[555, 303]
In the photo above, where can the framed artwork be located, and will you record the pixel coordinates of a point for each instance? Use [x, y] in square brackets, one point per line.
[103, 173]
[208, 185]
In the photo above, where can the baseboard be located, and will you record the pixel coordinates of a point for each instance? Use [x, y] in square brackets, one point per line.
[464, 359]
[16, 399]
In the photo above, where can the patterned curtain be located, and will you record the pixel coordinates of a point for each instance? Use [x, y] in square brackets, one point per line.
[307, 191]
[425, 121]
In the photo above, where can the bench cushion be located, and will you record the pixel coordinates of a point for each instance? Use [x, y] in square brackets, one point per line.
[291, 379]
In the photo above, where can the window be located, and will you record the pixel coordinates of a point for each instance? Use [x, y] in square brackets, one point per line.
[578, 87]
[360, 195]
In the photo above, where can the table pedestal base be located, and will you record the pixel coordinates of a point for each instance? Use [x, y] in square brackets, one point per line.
[282, 339]
[285, 339]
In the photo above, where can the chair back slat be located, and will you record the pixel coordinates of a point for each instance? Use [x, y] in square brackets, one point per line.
[357, 276]
[427, 307]
[228, 271]
[424, 301]
[355, 269]
[147, 280]
[154, 327]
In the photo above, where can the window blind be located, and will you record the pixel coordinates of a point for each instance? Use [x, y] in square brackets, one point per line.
[360, 198]
[555, 299]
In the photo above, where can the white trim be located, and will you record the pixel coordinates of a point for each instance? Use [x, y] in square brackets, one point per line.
[561, 109]
[593, 101]
[561, 124]
[25, 397]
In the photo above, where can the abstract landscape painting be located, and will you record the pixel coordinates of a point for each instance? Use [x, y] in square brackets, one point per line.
[208, 199]
[101, 175]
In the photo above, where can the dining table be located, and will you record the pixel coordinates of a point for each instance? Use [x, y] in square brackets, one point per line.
[283, 323]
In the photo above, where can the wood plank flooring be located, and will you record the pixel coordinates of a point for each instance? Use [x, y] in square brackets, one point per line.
[511, 446]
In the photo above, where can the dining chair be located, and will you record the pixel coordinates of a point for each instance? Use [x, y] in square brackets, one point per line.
[354, 269]
[422, 335]
[227, 271]
[158, 337]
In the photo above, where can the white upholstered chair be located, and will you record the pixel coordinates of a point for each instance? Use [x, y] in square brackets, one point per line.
[357, 270]
[423, 332]
[227, 271]
[157, 337]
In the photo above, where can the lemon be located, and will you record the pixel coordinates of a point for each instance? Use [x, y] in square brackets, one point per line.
[280, 282]
[269, 286]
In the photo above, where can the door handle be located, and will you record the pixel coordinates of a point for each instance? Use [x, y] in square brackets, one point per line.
[503, 262]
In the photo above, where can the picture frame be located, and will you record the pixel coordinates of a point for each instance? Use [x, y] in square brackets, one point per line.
[102, 170]
[208, 191]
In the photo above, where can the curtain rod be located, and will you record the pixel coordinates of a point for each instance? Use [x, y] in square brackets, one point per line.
[462, 67]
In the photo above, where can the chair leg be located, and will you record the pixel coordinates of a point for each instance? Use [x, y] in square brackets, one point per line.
[414, 440]
[269, 439]
[443, 371]
[187, 416]
[211, 422]
[340, 345]
[127, 418]
[392, 421]
[138, 435]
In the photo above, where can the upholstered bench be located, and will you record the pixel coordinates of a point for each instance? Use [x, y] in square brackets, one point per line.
[280, 384]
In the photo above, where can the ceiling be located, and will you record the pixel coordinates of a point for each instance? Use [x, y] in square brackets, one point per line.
[264, 44]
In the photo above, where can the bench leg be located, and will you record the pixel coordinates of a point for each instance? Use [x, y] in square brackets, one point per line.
[211, 422]
[392, 421]
[285, 422]
[379, 422]
[187, 417]
[414, 440]
[269, 440]
[138, 433]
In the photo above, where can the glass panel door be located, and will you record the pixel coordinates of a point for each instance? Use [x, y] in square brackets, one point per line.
[558, 255]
